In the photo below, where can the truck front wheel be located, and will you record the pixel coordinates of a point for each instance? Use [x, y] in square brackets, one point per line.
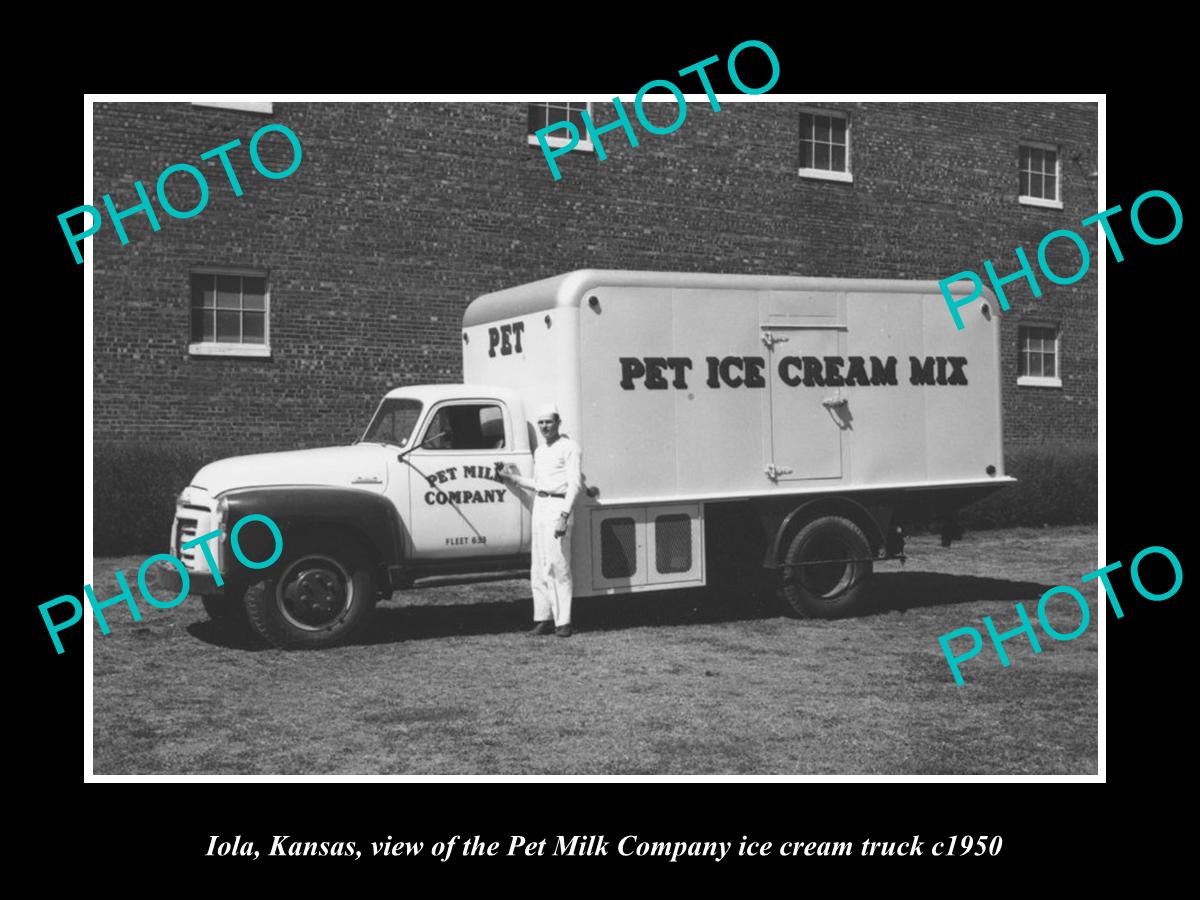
[314, 598]
[827, 569]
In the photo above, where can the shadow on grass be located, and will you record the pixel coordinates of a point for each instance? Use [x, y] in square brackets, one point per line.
[891, 592]
[231, 636]
[588, 614]
[901, 591]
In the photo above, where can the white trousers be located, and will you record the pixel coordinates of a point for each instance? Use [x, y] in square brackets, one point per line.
[550, 569]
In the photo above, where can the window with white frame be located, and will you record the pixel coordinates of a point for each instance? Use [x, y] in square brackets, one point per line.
[465, 426]
[1040, 178]
[230, 313]
[825, 144]
[551, 111]
[1038, 361]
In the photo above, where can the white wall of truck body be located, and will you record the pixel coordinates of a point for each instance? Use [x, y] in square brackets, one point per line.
[655, 454]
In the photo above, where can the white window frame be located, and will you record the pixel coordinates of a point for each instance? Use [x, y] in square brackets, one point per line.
[226, 348]
[427, 427]
[585, 140]
[1041, 380]
[258, 106]
[829, 174]
[1025, 199]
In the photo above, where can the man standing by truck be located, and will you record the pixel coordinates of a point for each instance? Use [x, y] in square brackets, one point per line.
[557, 481]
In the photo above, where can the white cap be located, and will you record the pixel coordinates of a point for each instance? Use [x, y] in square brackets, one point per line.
[546, 410]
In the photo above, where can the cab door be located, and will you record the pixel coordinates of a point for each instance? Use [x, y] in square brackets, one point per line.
[459, 508]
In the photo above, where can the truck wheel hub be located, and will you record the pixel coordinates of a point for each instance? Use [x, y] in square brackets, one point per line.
[314, 593]
[832, 571]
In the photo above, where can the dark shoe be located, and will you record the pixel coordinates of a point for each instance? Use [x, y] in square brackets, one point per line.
[540, 628]
[563, 631]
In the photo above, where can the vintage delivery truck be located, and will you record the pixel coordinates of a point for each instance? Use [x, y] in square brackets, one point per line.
[733, 429]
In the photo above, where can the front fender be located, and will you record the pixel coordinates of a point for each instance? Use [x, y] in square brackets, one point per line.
[371, 518]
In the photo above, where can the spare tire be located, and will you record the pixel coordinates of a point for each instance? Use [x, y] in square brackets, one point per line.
[827, 568]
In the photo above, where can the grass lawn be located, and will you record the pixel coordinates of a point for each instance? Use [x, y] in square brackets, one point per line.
[443, 681]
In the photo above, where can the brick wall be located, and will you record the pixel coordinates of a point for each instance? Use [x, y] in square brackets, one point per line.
[400, 214]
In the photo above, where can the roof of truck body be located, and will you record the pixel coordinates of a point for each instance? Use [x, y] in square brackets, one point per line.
[567, 290]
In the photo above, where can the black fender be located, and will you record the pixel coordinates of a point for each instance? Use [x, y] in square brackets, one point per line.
[371, 519]
[822, 506]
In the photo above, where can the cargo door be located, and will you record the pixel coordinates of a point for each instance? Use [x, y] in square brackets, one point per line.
[805, 337]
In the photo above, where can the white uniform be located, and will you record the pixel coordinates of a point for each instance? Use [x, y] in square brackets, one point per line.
[556, 470]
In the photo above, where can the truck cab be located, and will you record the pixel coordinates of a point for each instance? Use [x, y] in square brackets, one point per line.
[452, 441]
[417, 494]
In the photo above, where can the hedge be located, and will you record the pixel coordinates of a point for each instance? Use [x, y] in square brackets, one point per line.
[1056, 485]
[136, 485]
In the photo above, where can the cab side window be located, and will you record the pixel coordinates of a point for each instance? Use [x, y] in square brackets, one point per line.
[468, 426]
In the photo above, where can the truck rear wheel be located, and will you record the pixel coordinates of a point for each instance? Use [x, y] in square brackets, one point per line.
[316, 597]
[834, 581]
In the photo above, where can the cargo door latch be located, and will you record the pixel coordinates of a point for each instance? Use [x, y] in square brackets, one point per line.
[770, 340]
[773, 471]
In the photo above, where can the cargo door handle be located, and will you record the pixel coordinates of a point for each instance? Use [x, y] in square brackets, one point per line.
[839, 411]
[773, 471]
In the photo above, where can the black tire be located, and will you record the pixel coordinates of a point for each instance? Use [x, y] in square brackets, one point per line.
[316, 596]
[226, 610]
[219, 607]
[215, 607]
[828, 590]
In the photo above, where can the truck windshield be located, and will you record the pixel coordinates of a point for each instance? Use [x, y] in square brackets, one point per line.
[393, 422]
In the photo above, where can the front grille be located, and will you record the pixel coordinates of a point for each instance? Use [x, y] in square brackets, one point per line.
[185, 530]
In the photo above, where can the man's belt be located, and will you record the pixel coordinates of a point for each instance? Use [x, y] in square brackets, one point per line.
[548, 494]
